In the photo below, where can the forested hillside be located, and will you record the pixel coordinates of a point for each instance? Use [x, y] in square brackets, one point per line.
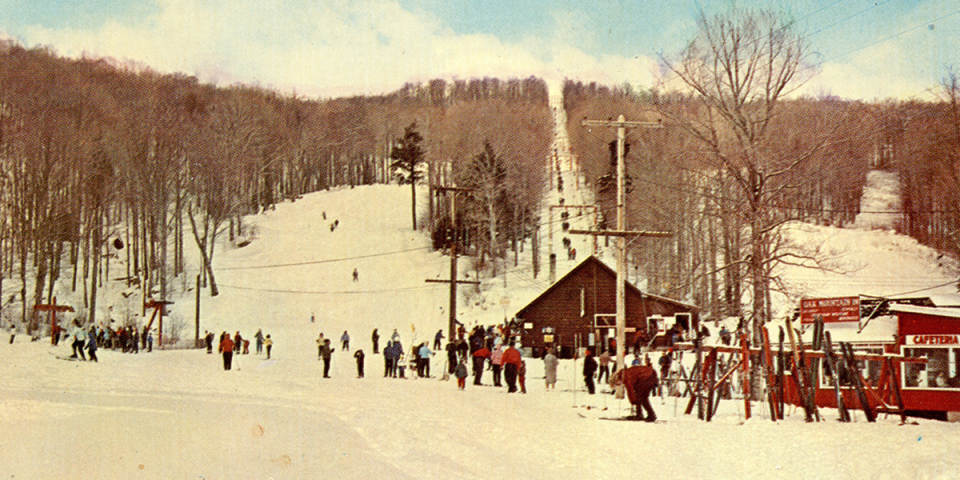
[679, 186]
[100, 159]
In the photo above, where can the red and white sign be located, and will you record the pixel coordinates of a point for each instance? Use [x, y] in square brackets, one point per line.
[932, 340]
[833, 310]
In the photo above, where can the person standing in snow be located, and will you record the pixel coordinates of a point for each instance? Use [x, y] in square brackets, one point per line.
[589, 369]
[209, 339]
[268, 342]
[149, 341]
[496, 359]
[479, 358]
[604, 370]
[396, 336]
[325, 354]
[259, 338]
[92, 344]
[388, 359]
[356, 275]
[226, 348]
[665, 362]
[135, 340]
[437, 340]
[461, 373]
[320, 341]
[550, 364]
[451, 357]
[359, 356]
[511, 363]
[79, 340]
[13, 333]
[345, 341]
[375, 338]
[237, 343]
[423, 369]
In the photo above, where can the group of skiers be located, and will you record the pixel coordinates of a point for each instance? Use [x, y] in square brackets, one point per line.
[86, 341]
[237, 345]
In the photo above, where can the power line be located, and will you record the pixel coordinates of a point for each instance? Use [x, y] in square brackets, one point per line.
[309, 292]
[848, 18]
[890, 37]
[317, 262]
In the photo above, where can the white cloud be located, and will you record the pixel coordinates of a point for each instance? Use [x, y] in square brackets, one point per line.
[333, 48]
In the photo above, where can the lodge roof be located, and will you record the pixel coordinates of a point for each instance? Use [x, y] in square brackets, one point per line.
[593, 260]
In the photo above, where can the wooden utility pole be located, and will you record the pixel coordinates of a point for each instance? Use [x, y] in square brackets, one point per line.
[453, 259]
[621, 125]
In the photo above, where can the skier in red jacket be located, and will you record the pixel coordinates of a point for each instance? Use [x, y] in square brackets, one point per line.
[511, 363]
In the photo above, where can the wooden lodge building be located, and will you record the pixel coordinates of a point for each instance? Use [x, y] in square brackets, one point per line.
[579, 310]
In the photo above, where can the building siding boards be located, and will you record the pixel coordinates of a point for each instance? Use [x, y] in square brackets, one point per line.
[571, 313]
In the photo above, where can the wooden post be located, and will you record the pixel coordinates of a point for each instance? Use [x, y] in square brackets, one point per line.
[53, 309]
[745, 368]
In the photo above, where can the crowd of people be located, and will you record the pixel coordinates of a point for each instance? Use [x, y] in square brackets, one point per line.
[228, 347]
[85, 342]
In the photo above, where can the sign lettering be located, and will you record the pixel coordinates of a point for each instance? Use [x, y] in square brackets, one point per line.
[833, 310]
[932, 340]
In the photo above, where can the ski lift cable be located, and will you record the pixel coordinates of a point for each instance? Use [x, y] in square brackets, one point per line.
[316, 262]
[344, 292]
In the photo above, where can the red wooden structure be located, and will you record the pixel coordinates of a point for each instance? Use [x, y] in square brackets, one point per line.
[157, 306]
[53, 308]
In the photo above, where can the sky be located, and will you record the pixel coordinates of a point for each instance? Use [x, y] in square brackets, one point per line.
[858, 49]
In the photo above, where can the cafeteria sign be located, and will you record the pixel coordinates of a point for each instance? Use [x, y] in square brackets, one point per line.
[833, 310]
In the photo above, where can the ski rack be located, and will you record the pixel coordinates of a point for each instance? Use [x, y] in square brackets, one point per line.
[883, 397]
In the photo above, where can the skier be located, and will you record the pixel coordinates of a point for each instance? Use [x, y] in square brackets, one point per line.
[259, 339]
[425, 354]
[237, 343]
[226, 348]
[149, 341]
[359, 356]
[92, 344]
[209, 339]
[550, 364]
[589, 368]
[79, 339]
[396, 336]
[320, 341]
[268, 342]
[356, 275]
[345, 341]
[437, 339]
[375, 338]
[13, 333]
[325, 353]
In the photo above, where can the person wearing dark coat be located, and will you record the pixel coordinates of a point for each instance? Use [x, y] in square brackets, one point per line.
[359, 356]
[375, 337]
[451, 357]
[92, 344]
[209, 339]
[325, 353]
[479, 358]
[665, 362]
[589, 369]
[387, 359]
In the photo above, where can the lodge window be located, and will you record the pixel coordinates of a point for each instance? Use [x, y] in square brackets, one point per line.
[940, 370]
[869, 369]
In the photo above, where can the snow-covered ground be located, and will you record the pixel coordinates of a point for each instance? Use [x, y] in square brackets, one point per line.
[178, 414]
